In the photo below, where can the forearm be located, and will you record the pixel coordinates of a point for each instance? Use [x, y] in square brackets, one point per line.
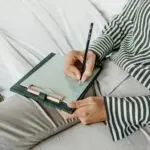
[126, 115]
[114, 32]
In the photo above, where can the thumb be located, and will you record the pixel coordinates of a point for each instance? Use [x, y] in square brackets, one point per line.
[80, 103]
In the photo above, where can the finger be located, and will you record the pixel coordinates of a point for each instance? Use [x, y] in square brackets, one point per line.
[69, 61]
[84, 121]
[81, 58]
[81, 103]
[72, 75]
[69, 58]
[75, 70]
[78, 104]
[72, 57]
[66, 115]
[82, 112]
[89, 66]
[84, 118]
[72, 104]
[72, 116]
[84, 102]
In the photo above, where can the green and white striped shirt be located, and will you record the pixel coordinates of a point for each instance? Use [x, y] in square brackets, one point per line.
[127, 39]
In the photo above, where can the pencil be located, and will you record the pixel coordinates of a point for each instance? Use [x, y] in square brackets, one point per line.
[86, 50]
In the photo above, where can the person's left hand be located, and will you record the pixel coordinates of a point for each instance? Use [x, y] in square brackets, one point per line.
[89, 110]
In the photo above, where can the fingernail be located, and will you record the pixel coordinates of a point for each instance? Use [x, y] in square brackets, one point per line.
[78, 77]
[83, 79]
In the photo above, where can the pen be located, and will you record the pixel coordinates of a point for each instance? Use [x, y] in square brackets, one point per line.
[86, 51]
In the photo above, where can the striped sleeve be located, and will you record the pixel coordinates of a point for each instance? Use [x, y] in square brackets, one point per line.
[114, 32]
[126, 115]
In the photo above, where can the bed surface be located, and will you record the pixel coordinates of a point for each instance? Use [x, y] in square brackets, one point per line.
[31, 29]
[77, 138]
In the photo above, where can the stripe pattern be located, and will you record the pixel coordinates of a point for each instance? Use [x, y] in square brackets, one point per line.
[126, 40]
[126, 115]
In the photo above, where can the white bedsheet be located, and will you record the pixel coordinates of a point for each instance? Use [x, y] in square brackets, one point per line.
[31, 29]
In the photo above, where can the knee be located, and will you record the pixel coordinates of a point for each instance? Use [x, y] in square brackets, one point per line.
[13, 106]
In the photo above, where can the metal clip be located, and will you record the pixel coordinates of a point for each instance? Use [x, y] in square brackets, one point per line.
[37, 91]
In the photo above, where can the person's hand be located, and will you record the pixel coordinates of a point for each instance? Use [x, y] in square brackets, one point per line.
[73, 64]
[89, 110]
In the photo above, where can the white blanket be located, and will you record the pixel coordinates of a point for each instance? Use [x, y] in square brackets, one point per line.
[31, 29]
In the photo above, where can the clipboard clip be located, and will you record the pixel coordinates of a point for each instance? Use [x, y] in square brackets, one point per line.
[43, 94]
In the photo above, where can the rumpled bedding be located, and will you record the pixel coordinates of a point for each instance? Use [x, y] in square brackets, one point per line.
[31, 29]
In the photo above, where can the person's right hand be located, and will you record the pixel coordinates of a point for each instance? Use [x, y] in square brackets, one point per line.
[73, 64]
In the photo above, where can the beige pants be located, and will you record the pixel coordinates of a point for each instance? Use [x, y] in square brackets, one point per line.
[24, 123]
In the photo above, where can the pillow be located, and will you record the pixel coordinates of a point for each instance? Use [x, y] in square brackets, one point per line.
[110, 7]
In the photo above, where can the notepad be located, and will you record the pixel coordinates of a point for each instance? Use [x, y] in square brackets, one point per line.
[49, 78]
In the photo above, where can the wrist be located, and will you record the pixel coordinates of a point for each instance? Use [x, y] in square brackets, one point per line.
[97, 58]
[93, 52]
[103, 113]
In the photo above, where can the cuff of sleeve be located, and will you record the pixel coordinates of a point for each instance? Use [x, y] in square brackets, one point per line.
[109, 118]
[102, 46]
[116, 114]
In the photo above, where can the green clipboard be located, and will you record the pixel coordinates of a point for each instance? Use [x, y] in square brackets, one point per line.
[49, 74]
